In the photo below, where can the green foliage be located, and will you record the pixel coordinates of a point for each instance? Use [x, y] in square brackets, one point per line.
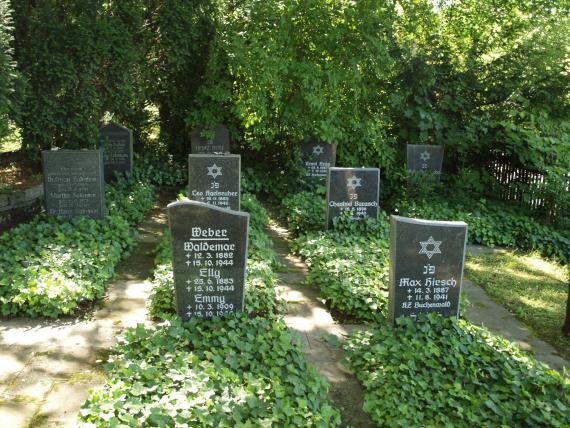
[305, 211]
[52, 266]
[160, 169]
[260, 292]
[7, 67]
[446, 372]
[79, 59]
[493, 223]
[222, 372]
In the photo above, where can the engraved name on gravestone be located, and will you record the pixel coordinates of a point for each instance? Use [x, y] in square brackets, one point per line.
[317, 158]
[73, 183]
[220, 143]
[426, 266]
[425, 158]
[215, 179]
[209, 253]
[117, 143]
[352, 190]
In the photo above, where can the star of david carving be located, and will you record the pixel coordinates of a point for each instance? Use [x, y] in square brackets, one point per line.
[425, 156]
[214, 171]
[318, 150]
[353, 182]
[434, 247]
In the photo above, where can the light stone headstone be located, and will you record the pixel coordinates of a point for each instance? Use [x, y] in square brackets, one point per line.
[425, 158]
[74, 183]
[117, 144]
[352, 190]
[426, 266]
[220, 143]
[209, 253]
[215, 179]
[318, 157]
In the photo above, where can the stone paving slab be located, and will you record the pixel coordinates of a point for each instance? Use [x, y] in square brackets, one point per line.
[48, 366]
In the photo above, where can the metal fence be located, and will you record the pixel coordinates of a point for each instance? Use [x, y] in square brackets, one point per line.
[529, 189]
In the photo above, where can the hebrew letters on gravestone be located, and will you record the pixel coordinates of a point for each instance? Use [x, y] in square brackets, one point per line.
[73, 183]
[318, 157]
[426, 266]
[220, 143]
[209, 253]
[352, 190]
[425, 158]
[215, 179]
[117, 144]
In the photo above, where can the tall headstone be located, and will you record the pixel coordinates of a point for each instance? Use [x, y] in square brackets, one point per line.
[425, 158]
[426, 266]
[209, 253]
[74, 183]
[317, 158]
[117, 144]
[220, 143]
[352, 190]
[215, 179]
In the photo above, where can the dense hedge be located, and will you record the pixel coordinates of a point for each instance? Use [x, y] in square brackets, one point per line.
[439, 372]
[51, 266]
[7, 66]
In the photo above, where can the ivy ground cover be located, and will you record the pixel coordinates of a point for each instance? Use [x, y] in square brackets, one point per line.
[244, 370]
[51, 266]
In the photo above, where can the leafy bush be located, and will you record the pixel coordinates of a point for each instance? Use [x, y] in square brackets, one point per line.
[260, 292]
[225, 372]
[493, 223]
[159, 169]
[7, 66]
[305, 211]
[448, 372]
[52, 266]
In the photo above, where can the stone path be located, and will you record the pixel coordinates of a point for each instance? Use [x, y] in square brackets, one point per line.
[48, 366]
[310, 319]
[484, 311]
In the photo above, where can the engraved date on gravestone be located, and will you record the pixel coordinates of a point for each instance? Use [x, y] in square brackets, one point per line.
[215, 179]
[117, 144]
[317, 157]
[352, 190]
[209, 249]
[220, 143]
[426, 266]
[73, 183]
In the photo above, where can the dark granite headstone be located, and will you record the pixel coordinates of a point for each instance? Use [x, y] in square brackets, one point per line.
[317, 159]
[425, 158]
[73, 183]
[117, 143]
[209, 253]
[353, 190]
[219, 144]
[215, 179]
[426, 266]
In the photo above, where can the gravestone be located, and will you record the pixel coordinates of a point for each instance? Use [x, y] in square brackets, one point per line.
[117, 143]
[215, 179]
[425, 158]
[74, 183]
[426, 266]
[317, 158]
[219, 144]
[352, 190]
[209, 253]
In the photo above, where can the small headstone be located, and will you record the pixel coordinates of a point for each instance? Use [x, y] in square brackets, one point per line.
[209, 253]
[73, 183]
[426, 266]
[318, 157]
[117, 143]
[425, 158]
[352, 190]
[215, 179]
[219, 144]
